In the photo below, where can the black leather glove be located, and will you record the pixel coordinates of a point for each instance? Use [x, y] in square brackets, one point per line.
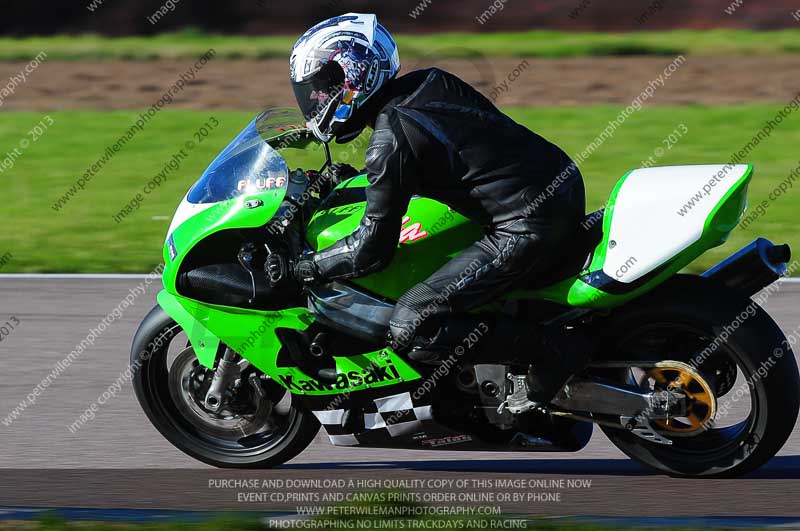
[280, 270]
[340, 171]
[305, 271]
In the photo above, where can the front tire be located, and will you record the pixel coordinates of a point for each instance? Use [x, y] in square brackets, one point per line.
[764, 362]
[273, 432]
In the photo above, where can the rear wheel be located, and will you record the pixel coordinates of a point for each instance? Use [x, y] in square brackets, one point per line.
[257, 425]
[731, 361]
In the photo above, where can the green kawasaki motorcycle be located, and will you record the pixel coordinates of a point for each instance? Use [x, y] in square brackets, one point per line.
[692, 378]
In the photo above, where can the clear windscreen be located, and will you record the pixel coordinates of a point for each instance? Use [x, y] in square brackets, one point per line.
[286, 131]
[259, 158]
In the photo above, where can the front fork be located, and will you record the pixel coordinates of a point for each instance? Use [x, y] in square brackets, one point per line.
[226, 373]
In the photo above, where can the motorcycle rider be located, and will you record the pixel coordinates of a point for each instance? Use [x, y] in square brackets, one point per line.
[436, 136]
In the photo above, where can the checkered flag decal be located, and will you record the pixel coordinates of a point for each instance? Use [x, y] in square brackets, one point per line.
[384, 418]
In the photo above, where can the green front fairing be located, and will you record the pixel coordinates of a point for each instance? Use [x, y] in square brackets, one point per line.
[251, 333]
[448, 234]
[229, 214]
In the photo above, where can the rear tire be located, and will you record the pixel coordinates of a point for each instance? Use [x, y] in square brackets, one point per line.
[151, 382]
[757, 346]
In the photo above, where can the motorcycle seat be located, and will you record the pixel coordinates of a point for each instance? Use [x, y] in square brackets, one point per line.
[576, 257]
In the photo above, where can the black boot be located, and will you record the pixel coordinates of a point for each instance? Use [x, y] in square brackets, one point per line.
[428, 352]
[449, 341]
[419, 349]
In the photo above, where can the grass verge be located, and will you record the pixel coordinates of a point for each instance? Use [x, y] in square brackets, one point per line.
[83, 236]
[190, 43]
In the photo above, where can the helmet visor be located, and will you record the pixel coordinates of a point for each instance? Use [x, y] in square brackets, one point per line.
[315, 94]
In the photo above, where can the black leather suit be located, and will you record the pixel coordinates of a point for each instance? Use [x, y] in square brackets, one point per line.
[437, 137]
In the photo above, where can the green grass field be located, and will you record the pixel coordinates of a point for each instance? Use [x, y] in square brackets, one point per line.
[521, 44]
[83, 237]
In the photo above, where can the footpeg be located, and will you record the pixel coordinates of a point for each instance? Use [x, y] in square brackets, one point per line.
[517, 401]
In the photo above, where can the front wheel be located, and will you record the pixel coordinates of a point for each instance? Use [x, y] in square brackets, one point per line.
[255, 426]
[730, 359]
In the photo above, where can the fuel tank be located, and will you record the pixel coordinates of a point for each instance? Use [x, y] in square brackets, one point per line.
[431, 235]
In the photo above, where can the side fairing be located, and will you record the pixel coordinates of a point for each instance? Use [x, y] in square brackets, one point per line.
[252, 333]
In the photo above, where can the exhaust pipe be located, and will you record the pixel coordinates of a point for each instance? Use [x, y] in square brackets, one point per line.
[752, 268]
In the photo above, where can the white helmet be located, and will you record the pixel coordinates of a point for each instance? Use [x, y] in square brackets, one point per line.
[338, 65]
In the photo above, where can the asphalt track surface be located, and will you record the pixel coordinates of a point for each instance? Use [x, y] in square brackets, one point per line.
[119, 459]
